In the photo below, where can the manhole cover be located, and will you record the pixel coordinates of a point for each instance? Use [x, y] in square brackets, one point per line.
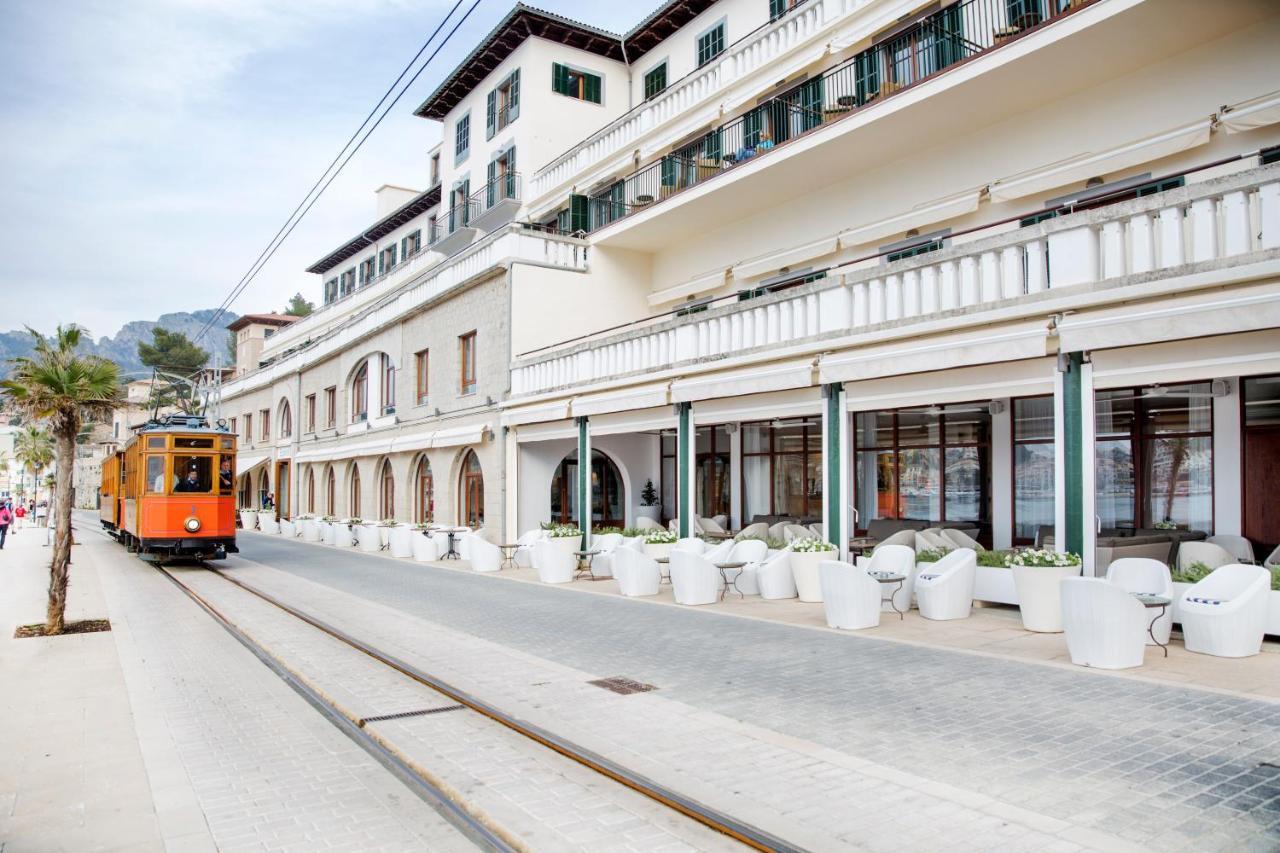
[621, 684]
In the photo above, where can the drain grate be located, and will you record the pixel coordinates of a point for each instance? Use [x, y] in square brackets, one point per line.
[403, 714]
[623, 685]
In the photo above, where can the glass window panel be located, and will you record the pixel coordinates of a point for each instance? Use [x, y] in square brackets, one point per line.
[755, 438]
[788, 439]
[722, 438]
[789, 485]
[1114, 413]
[1115, 483]
[227, 474]
[968, 424]
[669, 487]
[1033, 419]
[155, 474]
[813, 485]
[966, 483]
[920, 484]
[874, 429]
[813, 440]
[668, 444]
[702, 440]
[193, 474]
[1184, 409]
[916, 427]
[1261, 400]
[755, 487]
[1033, 492]
[874, 485]
[1178, 482]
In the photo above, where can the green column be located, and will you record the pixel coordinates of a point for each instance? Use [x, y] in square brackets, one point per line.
[584, 481]
[684, 467]
[1073, 452]
[834, 463]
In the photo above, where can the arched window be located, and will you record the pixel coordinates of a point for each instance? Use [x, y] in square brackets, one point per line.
[471, 492]
[387, 492]
[353, 506]
[330, 492]
[608, 503]
[286, 420]
[311, 491]
[424, 498]
[388, 385]
[360, 394]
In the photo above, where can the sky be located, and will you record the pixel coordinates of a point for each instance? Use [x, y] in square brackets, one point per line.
[149, 149]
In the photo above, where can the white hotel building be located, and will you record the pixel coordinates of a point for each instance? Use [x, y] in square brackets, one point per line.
[1012, 265]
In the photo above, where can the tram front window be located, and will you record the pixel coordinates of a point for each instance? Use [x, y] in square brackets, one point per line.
[193, 474]
[155, 474]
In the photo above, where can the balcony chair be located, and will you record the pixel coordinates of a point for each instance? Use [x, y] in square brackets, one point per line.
[553, 564]
[637, 573]
[1142, 574]
[960, 539]
[1106, 626]
[483, 555]
[771, 578]
[900, 560]
[692, 544]
[1241, 549]
[1226, 613]
[695, 580]
[602, 563]
[1211, 555]
[850, 597]
[646, 523]
[523, 554]
[945, 589]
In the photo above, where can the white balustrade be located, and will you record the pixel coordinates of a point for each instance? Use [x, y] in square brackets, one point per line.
[1079, 249]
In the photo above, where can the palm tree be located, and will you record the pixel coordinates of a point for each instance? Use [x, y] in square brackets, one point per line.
[64, 389]
[33, 447]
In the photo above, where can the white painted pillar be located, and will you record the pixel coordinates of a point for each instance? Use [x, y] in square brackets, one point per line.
[1227, 474]
[1088, 423]
[511, 484]
[1002, 475]
[1059, 465]
[375, 385]
[735, 477]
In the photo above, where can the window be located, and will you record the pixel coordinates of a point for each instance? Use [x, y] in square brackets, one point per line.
[421, 363]
[1154, 456]
[582, 85]
[388, 373]
[155, 474]
[711, 471]
[330, 407]
[1033, 462]
[193, 474]
[929, 464]
[234, 431]
[387, 492]
[331, 291]
[348, 281]
[330, 493]
[425, 504]
[710, 44]
[311, 491]
[264, 419]
[462, 138]
[353, 509]
[1102, 196]
[911, 251]
[655, 80]
[311, 413]
[387, 259]
[784, 284]
[501, 184]
[367, 270]
[227, 474]
[435, 169]
[778, 8]
[782, 468]
[668, 444]
[286, 420]
[432, 233]
[410, 245]
[360, 394]
[503, 106]
[467, 362]
[248, 428]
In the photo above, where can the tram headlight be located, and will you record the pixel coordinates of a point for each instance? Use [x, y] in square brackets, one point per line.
[192, 525]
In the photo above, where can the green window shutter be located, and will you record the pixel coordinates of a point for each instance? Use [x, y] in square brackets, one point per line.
[562, 220]
[466, 202]
[811, 102]
[777, 8]
[751, 124]
[491, 115]
[949, 45]
[866, 75]
[513, 96]
[559, 78]
[713, 145]
[382, 266]
[579, 213]
[391, 255]
[511, 173]
[668, 170]
[489, 185]
[591, 88]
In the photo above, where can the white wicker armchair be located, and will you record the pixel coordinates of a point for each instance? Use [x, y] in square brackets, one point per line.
[945, 589]
[850, 597]
[1226, 613]
[483, 555]
[695, 580]
[1106, 627]
[1143, 574]
[637, 573]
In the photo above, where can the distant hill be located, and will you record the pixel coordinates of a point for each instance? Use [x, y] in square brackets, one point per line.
[122, 347]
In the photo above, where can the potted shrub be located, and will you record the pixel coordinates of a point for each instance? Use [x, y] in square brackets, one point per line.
[422, 546]
[658, 543]
[994, 579]
[1036, 578]
[567, 537]
[399, 540]
[344, 532]
[649, 501]
[806, 554]
[248, 518]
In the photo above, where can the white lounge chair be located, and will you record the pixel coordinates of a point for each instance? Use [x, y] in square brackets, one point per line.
[692, 544]
[850, 597]
[779, 531]
[1211, 555]
[553, 564]
[1239, 547]
[719, 553]
[442, 543]
[933, 540]
[602, 563]
[772, 577]
[1226, 613]
[1143, 574]
[523, 554]
[902, 537]
[424, 547]
[757, 530]
[751, 552]
[818, 531]
[646, 523]
[484, 556]
[722, 520]
[945, 590]
[636, 573]
[900, 560]
[1273, 559]
[1106, 626]
[960, 539]
[792, 532]
[711, 527]
[695, 580]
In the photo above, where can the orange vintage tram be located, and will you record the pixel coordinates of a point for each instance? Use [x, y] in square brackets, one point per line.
[170, 493]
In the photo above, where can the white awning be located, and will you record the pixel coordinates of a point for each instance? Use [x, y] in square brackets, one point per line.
[961, 385]
[640, 420]
[701, 284]
[759, 407]
[1252, 114]
[1219, 357]
[346, 450]
[775, 261]
[412, 441]
[623, 399]
[460, 435]
[246, 462]
[546, 431]
[1079, 169]
[917, 217]
[553, 411]
[1012, 342]
[749, 380]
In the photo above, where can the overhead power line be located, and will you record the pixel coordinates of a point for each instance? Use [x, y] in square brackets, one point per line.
[330, 173]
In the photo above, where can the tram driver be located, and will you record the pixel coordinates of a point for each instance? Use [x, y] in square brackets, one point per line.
[196, 478]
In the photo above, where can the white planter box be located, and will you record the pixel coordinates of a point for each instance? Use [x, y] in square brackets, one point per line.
[804, 566]
[369, 538]
[248, 519]
[342, 537]
[288, 528]
[1273, 607]
[328, 530]
[657, 550]
[267, 524]
[310, 530]
[384, 536]
[993, 584]
[1040, 596]
[568, 544]
[399, 541]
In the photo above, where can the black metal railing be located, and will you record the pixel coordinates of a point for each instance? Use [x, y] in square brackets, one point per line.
[929, 46]
[498, 188]
[459, 215]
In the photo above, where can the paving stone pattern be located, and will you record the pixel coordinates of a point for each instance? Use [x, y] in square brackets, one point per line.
[1161, 766]
[268, 771]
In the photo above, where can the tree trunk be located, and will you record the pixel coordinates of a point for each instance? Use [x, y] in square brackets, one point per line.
[61, 512]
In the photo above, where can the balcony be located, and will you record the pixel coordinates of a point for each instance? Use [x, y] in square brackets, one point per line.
[497, 202]
[455, 230]
[1152, 246]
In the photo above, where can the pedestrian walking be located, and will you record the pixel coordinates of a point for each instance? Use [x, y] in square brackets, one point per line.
[6, 518]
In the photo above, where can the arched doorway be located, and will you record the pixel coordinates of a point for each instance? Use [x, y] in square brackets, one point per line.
[245, 497]
[424, 504]
[311, 491]
[353, 505]
[471, 492]
[264, 488]
[387, 492]
[330, 492]
[608, 498]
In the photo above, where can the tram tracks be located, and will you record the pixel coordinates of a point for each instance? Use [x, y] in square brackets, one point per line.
[471, 820]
